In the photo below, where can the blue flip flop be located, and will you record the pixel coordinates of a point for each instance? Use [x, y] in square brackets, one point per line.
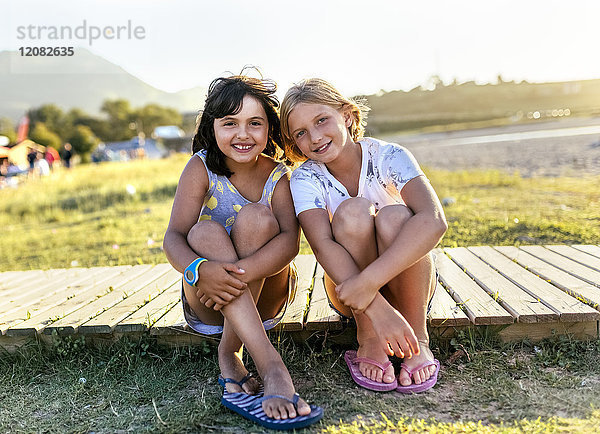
[223, 381]
[250, 407]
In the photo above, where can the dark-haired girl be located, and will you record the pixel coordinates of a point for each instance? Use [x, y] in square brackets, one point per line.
[233, 234]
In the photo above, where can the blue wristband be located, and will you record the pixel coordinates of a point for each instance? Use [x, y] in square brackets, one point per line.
[190, 274]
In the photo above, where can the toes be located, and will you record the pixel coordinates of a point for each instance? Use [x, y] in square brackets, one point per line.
[388, 377]
[404, 378]
[272, 411]
[303, 408]
[417, 377]
[290, 411]
[373, 374]
[233, 388]
[363, 370]
[376, 374]
[251, 386]
[423, 375]
[286, 410]
[368, 372]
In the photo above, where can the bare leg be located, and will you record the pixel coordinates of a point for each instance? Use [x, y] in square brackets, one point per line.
[255, 226]
[353, 227]
[210, 240]
[242, 320]
[410, 291]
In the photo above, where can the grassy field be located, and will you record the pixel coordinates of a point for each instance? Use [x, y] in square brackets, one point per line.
[137, 387]
[90, 217]
[116, 213]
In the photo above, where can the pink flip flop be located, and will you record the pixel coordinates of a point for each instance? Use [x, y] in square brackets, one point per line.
[426, 385]
[352, 361]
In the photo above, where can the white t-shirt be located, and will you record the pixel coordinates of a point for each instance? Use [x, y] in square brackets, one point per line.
[385, 169]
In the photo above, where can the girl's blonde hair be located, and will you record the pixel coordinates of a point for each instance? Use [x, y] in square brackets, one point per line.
[319, 91]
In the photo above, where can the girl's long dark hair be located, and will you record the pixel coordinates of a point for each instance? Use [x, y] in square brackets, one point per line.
[225, 97]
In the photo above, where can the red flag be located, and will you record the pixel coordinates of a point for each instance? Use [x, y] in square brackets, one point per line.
[23, 129]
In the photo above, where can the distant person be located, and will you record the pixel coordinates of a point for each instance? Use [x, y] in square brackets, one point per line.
[4, 167]
[67, 154]
[3, 172]
[372, 218]
[51, 156]
[235, 250]
[42, 165]
[32, 156]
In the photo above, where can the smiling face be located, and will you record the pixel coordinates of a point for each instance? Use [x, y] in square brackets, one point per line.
[241, 137]
[320, 131]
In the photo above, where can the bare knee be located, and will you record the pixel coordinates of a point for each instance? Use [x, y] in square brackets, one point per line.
[205, 233]
[254, 223]
[389, 221]
[353, 218]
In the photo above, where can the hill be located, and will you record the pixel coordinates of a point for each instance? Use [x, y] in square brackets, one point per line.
[84, 80]
[469, 102]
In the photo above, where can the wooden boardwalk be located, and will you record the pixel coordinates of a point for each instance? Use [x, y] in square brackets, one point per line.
[528, 292]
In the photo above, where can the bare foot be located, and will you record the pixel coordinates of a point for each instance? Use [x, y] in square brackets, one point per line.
[277, 381]
[395, 334]
[370, 347]
[232, 367]
[420, 375]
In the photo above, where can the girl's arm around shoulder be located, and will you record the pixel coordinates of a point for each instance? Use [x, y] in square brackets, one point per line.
[191, 189]
[281, 249]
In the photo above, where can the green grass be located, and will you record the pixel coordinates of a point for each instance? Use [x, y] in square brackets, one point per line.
[499, 388]
[496, 208]
[553, 386]
[86, 214]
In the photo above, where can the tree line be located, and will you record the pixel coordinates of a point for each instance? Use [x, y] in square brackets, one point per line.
[49, 125]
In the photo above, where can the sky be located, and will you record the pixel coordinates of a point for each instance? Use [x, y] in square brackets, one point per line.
[361, 46]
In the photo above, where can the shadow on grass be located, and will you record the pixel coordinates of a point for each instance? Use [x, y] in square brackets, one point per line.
[140, 386]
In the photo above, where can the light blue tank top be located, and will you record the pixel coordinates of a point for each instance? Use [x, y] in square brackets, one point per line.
[222, 201]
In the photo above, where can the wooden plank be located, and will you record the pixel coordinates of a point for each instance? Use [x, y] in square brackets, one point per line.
[129, 283]
[21, 310]
[49, 286]
[142, 319]
[320, 315]
[108, 320]
[11, 279]
[444, 311]
[6, 276]
[84, 295]
[569, 308]
[173, 322]
[12, 344]
[293, 318]
[28, 282]
[534, 332]
[578, 256]
[589, 249]
[571, 285]
[480, 308]
[580, 271]
[520, 304]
